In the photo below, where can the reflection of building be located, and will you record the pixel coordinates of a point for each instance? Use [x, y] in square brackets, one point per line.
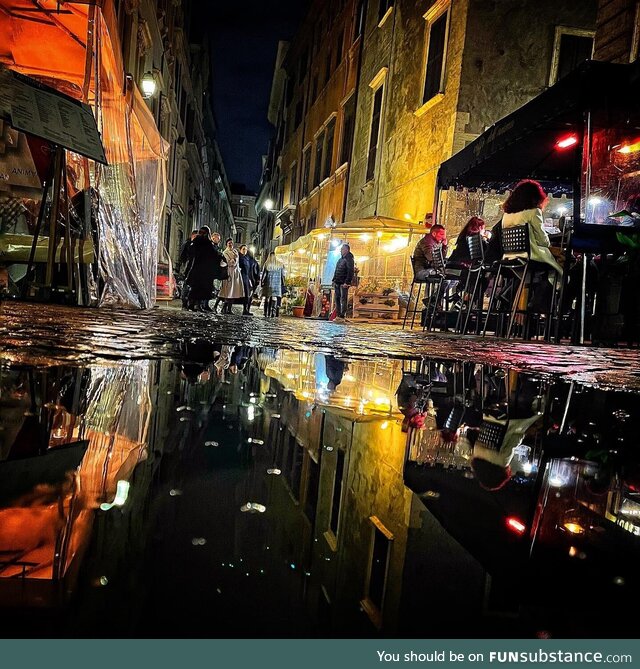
[243, 205]
[436, 74]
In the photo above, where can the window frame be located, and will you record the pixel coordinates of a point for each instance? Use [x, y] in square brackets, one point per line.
[435, 12]
[374, 609]
[561, 30]
[349, 100]
[306, 171]
[293, 183]
[318, 158]
[377, 85]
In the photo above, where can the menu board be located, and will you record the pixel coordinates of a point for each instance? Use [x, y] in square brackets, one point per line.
[44, 112]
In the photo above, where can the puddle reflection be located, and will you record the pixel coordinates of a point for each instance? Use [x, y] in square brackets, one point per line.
[262, 492]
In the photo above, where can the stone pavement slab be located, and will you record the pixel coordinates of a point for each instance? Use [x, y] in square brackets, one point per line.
[49, 334]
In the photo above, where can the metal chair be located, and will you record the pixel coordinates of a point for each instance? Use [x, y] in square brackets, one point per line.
[491, 435]
[472, 294]
[442, 278]
[512, 269]
[430, 284]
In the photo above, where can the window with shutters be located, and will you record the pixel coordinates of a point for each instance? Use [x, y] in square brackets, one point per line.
[374, 137]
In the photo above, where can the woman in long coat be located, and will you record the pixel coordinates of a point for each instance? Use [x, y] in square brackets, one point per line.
[232, 290]
[204, 260]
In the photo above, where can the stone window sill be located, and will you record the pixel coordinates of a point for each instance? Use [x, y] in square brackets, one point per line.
[387, 14]
[428, 105]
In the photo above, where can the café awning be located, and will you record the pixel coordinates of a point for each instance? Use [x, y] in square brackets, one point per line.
[523, 144]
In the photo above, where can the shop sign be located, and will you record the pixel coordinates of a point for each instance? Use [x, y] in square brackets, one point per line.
[44, 112]
[628, 526]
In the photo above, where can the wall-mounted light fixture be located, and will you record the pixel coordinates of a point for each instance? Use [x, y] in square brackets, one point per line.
[149, 85]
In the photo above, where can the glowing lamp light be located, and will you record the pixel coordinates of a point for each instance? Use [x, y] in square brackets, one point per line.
[630, 148]
[365, 237]
[378, 234]
[408, 217]
[557, 482]
[335, 243]
[321, 237]
[516, 525]
[252, 249]
[384, 425]
[122, 492]
[148, 85]
[274, 471]
[594, 201]
[567, 142]
[269, 204]
[574, 528]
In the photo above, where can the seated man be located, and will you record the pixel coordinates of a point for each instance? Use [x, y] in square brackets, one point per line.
[423, 254]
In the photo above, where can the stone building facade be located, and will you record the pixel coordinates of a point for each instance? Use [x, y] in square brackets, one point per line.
[618, 31]
[312, 141]
[243, 206]
[161, 38]
[437, 73]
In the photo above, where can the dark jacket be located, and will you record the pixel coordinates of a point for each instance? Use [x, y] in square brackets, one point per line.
[254, 272]
[344, 269]
[461, 254]
[423, 254]
[184, 257]
[205, 266]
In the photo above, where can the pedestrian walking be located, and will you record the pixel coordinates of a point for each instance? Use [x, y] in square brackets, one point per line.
[342, 279]
[184, 260]
[232, 290]
[205, 260]
[244, 261]
[272, 282]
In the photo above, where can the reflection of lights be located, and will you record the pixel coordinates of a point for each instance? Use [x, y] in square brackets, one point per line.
[291, 376]
[561, 211]
[335, 243]
[362, 258]
[594, 200]
[253, 400]
[104, 580]
[122, 492]
[174, 492]
[212, 444]
[384, 425]
[630, 148]
[251, 440]
[516, 525]
[253, 507]
[274, 471]
[198, 541]
[251, 412]
[321, 237]
[58, 433]
[574, 528]
[302, 251]
[566, 142]
[381, 400]
[575, 552]
[365, 237]
[557, 481]
[148, 85]
[527, 468]
[269, 204]
[378, 235]
[408, 217]
[618, 580]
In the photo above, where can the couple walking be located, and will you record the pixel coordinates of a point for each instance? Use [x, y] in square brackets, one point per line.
[238, 271]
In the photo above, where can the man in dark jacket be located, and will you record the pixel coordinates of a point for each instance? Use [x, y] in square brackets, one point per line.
[186, 260]
[423, 254]
[342, 279]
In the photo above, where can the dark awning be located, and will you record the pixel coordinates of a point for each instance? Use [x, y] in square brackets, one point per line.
[522, 144]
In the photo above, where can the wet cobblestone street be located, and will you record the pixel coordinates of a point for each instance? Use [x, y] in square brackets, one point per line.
[45, 334]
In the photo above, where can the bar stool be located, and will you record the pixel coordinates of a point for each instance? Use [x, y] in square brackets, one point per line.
[441, 279]
[472, 295]
[431, 284]
[513, 270]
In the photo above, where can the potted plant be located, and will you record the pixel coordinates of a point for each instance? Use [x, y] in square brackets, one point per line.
[297, 306]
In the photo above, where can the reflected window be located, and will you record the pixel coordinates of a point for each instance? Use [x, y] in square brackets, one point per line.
[378, 568]
[337, 493]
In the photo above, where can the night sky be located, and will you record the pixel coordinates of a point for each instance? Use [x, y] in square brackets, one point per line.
[244, 36]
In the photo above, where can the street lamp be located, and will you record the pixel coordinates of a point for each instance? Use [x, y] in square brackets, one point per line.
[148, 85]
[269, 204]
